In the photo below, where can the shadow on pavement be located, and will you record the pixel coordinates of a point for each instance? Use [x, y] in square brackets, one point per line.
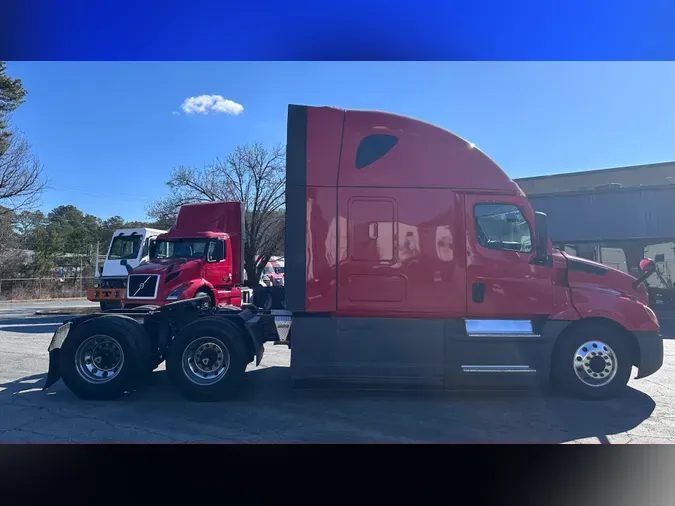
[269, 410]
[35, 320]
[32, 329]
[32, 325]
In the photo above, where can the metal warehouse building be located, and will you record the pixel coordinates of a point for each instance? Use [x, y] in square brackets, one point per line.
[614, 216]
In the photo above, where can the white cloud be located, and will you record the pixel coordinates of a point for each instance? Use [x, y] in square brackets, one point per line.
[175, 113]
[205, 104]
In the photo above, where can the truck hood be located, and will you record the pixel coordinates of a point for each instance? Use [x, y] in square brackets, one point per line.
[591, 275]
[113, 268]
[164, 267]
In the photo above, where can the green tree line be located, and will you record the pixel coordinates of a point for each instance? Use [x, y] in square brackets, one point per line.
[64, 230]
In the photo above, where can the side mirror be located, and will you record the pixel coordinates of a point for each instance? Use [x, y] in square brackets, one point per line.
[647, 267]
[540, 236]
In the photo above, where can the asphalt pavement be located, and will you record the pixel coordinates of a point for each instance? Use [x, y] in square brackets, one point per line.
[268, 410]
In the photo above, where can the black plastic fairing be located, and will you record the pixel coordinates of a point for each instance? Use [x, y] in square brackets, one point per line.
[296, 207]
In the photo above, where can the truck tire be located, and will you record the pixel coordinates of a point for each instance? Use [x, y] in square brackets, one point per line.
[205, 292]
[207, 359]
[278, 297]
[109, 305]
[104, 357]
[592, 361]
[263, 297]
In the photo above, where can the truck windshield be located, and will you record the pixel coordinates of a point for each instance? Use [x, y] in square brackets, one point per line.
[268, 269]
[180, 248]
[125, 247]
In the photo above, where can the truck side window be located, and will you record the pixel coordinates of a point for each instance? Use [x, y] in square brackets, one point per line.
[503, 227]
[216, 251]
[146, 245]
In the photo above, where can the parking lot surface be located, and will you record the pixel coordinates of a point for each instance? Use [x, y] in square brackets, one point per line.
[268, 410]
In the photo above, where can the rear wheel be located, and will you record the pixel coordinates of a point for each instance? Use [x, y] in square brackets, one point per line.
[593, 361]
[207, 360]
[105, 357]
[263, 298]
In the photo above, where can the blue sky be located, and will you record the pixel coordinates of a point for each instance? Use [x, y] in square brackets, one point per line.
[108, 136]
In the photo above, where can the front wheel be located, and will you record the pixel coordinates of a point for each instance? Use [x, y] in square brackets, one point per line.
[593, 362]
[207, 359]
[205, 297]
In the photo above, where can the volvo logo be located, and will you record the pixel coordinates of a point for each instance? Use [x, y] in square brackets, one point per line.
[141, 286]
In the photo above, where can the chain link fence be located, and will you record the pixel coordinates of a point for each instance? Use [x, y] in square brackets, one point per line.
[44, 288]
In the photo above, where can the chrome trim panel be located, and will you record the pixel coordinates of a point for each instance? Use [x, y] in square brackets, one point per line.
[283, 325]
[498, 368]
[499, 327]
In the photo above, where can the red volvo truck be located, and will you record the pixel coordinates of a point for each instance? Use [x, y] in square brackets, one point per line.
[412, 259]
[201, 256]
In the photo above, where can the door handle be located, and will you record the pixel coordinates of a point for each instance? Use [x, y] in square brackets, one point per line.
[372, 230]
[478, 292]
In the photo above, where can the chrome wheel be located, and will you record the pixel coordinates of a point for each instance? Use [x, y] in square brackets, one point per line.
[595, 363]
[99, 359]
[205, 361]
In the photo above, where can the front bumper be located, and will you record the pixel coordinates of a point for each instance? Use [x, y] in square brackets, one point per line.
[650, 351]
[105, 294]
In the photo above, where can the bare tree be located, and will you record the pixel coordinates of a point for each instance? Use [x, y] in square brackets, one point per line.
[251, 174]
[21, 177]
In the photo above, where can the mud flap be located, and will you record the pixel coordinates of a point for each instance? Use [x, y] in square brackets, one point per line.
[54, 373]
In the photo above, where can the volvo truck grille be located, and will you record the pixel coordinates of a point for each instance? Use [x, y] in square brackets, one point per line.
[142, 286]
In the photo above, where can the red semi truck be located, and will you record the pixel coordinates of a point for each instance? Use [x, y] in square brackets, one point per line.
[412, 259]
[200, 256]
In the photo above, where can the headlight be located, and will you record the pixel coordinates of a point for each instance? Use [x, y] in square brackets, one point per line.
[652, 315]
[176, 293]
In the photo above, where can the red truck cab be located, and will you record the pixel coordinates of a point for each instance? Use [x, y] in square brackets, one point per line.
[201, 255]
[271, 275]
[412, 257]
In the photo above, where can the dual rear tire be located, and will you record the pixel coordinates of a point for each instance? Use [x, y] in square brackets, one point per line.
[105, 357]
[207, 360]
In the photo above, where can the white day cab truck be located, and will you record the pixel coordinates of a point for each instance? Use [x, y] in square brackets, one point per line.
[128, 248]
